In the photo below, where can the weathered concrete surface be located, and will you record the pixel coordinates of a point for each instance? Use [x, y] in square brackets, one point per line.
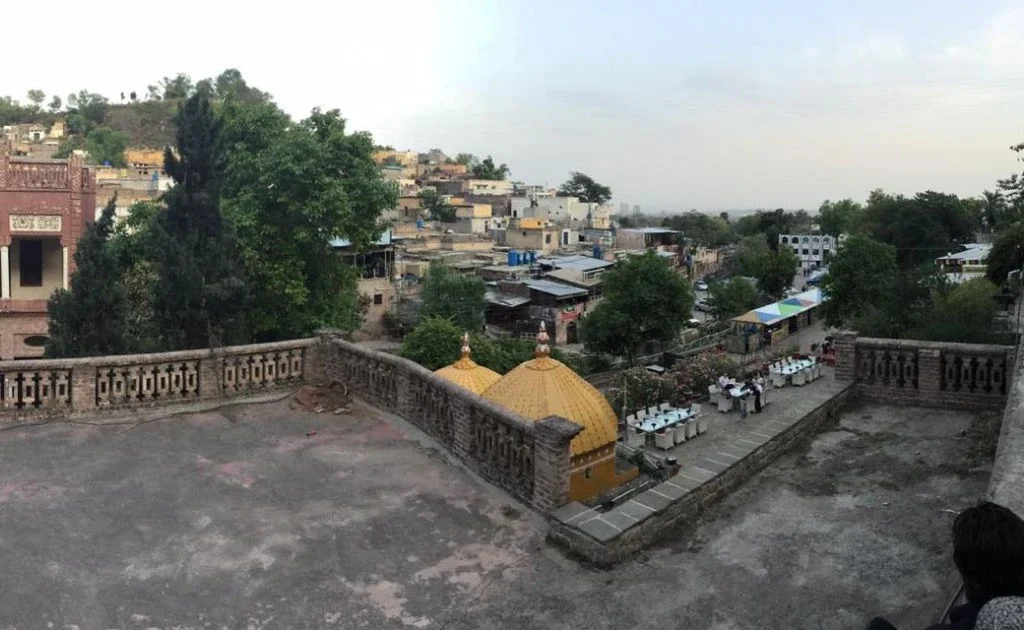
[238, 519]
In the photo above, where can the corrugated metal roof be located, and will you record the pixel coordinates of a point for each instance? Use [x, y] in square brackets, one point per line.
[554, 288]
[504, 299]
[651, 230]
[581, 263]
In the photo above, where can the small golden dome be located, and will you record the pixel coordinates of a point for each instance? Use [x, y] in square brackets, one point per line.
[466, 373]
[543, 387]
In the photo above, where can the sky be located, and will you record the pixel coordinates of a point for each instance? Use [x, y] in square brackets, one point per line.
[673, 104]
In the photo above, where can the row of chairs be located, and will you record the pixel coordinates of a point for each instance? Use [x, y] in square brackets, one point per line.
[668, 438]
[634, 418]
[799, 378]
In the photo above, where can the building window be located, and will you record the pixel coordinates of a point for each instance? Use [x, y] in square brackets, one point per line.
[814, 252]
[785, 240]
[378, 298]
[524, 233]
[805, 252]
[547, 239]
[30, 263]
[796, 250]
[587, 473]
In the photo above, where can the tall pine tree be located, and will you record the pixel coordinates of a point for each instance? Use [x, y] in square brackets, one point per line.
[200, 298]
[88, 319]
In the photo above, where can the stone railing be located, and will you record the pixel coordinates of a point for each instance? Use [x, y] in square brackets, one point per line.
[86, 385]
[530, 460]
[926, 373]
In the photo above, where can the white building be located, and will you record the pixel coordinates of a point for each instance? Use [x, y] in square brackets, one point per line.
[810, 249]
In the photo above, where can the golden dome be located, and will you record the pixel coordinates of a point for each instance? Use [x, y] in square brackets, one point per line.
[466, 373]
[543, 387]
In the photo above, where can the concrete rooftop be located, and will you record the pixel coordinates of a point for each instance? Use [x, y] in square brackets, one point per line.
[245, 517]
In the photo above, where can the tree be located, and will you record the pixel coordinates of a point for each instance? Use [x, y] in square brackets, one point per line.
[437, 207]
[839, 217]
[1012, 187]
[88, 319]
[153, 92]
[963, 313]
[860, 275]
[773, 270]
[586, 189]
[86, 111]
[731, 298]
[107, 146]
[229, 85]
[289, 190]
[205, 88]
[434, 343]
[700, 228]
[179, 87]
[1007, 253]
[133, 243]
[133, 96]
[200, 298]
[487, 170]
[55, 104]
[37, 97]
[644, 301]
[451, 295]
[467, 159]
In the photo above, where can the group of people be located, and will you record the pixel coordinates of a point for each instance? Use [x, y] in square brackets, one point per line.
[988, 550]
[754, 384]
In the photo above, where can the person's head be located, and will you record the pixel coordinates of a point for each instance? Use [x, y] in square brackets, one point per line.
[988, 549]
[1002, 613]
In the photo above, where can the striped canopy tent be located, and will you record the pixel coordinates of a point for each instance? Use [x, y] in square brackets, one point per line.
[782, 309]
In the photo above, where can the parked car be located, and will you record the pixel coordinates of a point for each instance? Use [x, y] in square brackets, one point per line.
[702, 305]
[692, 323]
[701, 285]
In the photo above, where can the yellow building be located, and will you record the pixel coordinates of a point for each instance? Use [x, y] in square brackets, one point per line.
[543, 387]
[466, 373]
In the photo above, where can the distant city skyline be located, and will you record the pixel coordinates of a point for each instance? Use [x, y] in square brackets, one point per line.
[674, 105]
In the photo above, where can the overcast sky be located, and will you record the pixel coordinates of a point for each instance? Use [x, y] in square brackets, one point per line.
[674, 104]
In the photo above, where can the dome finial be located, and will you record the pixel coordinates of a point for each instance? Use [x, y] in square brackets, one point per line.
[465, 345]
[542, 349]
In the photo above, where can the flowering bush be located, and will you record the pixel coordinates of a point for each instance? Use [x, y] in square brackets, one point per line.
[691, 376]
[638, 388]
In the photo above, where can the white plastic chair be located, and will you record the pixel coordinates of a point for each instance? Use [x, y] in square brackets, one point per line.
[691, 429]
[664, 440]
[652, 410]
[799, 378]
[695, 408]
[664, 406]
[778, 379]
[635, 439]
[640, 415]
[725, 403]
[679, 434]
[631, 420]
[702, 426]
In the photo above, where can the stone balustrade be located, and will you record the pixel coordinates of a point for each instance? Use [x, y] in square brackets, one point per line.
[926, 373]
[530, 460]
[87, 385]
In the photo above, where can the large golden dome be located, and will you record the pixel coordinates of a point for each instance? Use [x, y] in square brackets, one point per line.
[543, 387]
[466, 373]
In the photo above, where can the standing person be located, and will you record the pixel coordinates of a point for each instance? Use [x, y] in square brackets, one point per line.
[758, 390]
[988, 550]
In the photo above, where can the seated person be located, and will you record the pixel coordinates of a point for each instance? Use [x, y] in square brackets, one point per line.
[988, 550]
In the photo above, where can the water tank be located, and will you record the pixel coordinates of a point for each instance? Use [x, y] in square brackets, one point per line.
[419, 224]
[597, 252]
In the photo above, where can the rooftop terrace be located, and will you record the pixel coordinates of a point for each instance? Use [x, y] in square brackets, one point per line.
[263, 515]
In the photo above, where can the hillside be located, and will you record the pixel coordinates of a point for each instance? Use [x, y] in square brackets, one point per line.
[147, 123]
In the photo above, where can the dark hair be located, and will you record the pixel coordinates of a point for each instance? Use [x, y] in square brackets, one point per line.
[988, 549]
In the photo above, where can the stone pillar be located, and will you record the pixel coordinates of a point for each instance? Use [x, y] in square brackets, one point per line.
[5, 270]
[929, 375]
[211, 376]
[551, 462]
[846, 355]
[64, 254]
[83, 388]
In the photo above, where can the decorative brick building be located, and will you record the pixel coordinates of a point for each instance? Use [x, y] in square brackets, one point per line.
[44, 206]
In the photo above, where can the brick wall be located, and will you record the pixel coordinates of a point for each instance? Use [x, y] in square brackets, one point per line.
[530, 460]
[926, 373]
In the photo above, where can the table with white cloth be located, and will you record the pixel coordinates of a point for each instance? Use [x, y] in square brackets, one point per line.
[787, 371]
[666, 419]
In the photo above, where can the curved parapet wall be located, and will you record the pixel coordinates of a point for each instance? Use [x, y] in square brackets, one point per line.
[1007, 483]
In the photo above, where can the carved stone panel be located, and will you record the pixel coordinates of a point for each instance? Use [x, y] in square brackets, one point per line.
[35, 223]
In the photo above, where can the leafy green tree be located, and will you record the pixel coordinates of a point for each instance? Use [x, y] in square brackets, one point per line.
[37, 97]
[963, 313]
[55, 104]
[701, 228]
[773, 270]
[1012, 187]
[178, 87]
[436, 207]
[230, 85]
[731, 298]
[204, 88]
[585, 188]
[487, 170]
[451, 295]
[644, 301]
[467, 159]
[289, 190]
[86, 111]
[132, 247]
[201, 295]
[107, 146]
[88, 319]
[1007, 253]
[434, 343]
[839, 217]
[860, 275]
